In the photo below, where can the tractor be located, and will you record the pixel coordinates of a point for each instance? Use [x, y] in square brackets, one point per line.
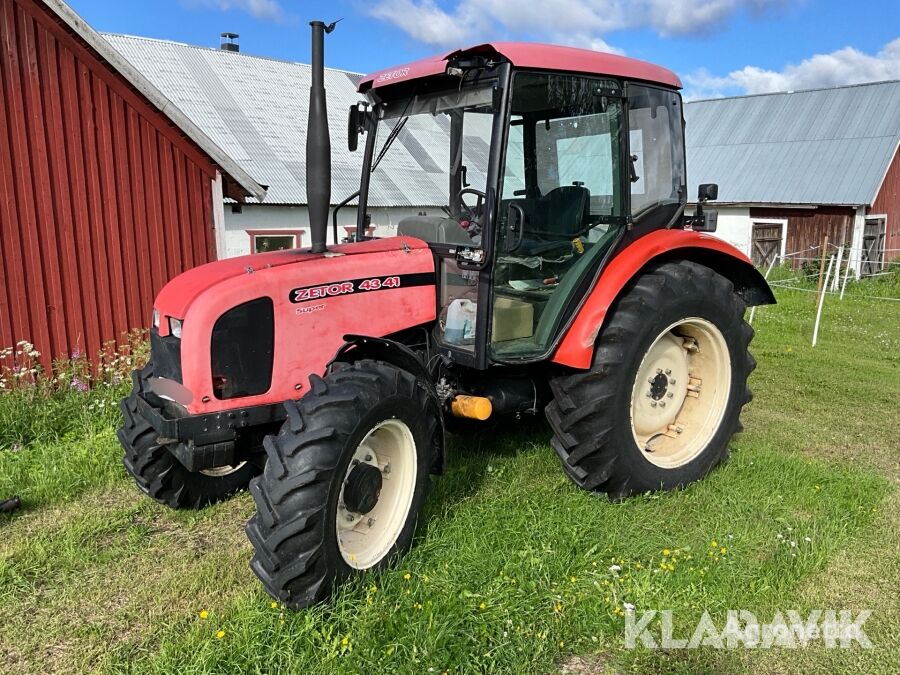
[562, 274]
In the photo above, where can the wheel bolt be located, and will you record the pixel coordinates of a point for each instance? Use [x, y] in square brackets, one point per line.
[349, 517]
[650, 380]
[670, 394]
[652, 404]
[370, 522]
[662, 404]
[368, 458]
[672, 381]
[668, 371]
[659, 371]
[649, 395]
[354, 462]
[387, 468]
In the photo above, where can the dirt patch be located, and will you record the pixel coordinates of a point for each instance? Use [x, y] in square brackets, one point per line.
[596, 664]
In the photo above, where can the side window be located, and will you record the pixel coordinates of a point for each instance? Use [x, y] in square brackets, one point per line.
[577, 151]
[657, 148]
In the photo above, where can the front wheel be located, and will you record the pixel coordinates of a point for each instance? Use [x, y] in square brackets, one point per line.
[664, 393]
[344, 482]
[160, 475]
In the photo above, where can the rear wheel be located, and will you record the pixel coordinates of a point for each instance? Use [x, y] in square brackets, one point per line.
[161, 476]
[665, 391]
[344, 482]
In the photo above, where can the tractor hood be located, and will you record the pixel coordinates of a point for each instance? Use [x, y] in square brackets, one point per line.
[303, 304]
[177, 296]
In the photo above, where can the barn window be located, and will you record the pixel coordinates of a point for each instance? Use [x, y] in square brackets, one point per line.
[263, 241]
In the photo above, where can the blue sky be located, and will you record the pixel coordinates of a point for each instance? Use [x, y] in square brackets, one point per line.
[717, 46]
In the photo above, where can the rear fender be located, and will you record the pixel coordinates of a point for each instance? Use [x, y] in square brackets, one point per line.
[358, 347]
[577, 346]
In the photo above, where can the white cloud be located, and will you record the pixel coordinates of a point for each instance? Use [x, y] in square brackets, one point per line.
[576, 22]
[267, 10]
[841, 67]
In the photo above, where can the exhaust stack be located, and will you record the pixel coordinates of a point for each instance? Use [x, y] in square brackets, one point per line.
[318, 143]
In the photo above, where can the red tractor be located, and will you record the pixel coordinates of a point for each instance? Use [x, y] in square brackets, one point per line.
[561, 275]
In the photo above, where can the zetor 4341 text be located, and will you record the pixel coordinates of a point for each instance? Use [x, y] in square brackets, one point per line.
[556, 272]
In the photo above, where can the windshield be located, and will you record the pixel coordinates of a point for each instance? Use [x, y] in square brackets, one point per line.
[430, 148]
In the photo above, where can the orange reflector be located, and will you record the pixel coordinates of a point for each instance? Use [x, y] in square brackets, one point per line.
[473, 407]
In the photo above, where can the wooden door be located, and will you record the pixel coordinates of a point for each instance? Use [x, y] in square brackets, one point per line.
[873, 246]
[766, 244]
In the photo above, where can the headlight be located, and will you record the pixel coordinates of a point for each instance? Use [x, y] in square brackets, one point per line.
[175, 327]
[155, 318]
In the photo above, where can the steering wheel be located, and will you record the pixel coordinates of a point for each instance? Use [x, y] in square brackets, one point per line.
[472, 213]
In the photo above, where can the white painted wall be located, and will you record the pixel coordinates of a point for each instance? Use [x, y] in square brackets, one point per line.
[734, 226]
[284, 217]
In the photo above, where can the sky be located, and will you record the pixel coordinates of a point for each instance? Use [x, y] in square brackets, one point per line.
[718, 47]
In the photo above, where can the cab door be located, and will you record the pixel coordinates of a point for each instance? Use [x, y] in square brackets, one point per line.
[561, 208]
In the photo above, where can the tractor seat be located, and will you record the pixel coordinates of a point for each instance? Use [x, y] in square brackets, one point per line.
[555, 220]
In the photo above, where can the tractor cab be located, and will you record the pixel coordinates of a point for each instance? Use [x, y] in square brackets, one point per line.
[530, 178]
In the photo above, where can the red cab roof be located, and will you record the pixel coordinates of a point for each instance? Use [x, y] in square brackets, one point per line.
[531, 55]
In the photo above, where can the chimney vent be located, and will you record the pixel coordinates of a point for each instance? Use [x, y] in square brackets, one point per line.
[229, 43]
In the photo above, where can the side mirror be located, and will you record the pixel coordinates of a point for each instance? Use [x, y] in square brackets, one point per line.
[709, 223]
[353, 124]
[708, 192]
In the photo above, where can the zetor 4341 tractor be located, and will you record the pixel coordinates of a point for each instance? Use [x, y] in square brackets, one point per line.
[558, 273]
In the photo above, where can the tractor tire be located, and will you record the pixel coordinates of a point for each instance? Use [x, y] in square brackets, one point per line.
[664, 394]
[344, 481]
[161, 476]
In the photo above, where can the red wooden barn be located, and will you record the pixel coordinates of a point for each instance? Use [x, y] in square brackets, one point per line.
[107, 190]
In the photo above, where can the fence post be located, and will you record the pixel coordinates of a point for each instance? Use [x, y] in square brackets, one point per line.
[821, 302]
[822, 267]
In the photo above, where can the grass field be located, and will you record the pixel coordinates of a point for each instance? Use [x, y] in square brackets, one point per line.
[511, 570]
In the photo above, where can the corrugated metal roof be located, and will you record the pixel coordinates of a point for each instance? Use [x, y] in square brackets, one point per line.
[256, 109]
[823, 146]
[143, 84]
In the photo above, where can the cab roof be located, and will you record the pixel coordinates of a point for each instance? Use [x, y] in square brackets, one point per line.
[529, 55]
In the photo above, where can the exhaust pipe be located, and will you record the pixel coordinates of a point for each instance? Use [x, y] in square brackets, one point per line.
[318, 143]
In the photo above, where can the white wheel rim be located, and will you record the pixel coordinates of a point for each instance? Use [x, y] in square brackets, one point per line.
[681, 392]
[365, 539]
[222, 471]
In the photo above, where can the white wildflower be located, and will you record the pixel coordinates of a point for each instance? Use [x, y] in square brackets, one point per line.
[614, 568]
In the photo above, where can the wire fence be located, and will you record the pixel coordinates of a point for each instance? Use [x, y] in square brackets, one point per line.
[831, 258]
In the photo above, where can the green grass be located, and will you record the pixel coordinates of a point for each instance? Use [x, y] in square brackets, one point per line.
[510, 571]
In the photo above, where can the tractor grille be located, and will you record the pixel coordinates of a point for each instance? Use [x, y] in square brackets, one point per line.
[165, 353]
[243, 346]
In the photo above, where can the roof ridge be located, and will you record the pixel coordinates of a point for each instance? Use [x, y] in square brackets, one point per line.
[794, 91]
[144, 38]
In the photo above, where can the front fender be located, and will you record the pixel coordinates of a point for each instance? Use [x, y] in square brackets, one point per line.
[576, 349]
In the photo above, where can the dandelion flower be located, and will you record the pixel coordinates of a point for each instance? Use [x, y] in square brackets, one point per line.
[666, 552]
[407, 576]
[723, 550]
[482, 606]
[345, 641]
[274, 605]
[203, 614]
[573, 579]
[713, 544]
[220, 634]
